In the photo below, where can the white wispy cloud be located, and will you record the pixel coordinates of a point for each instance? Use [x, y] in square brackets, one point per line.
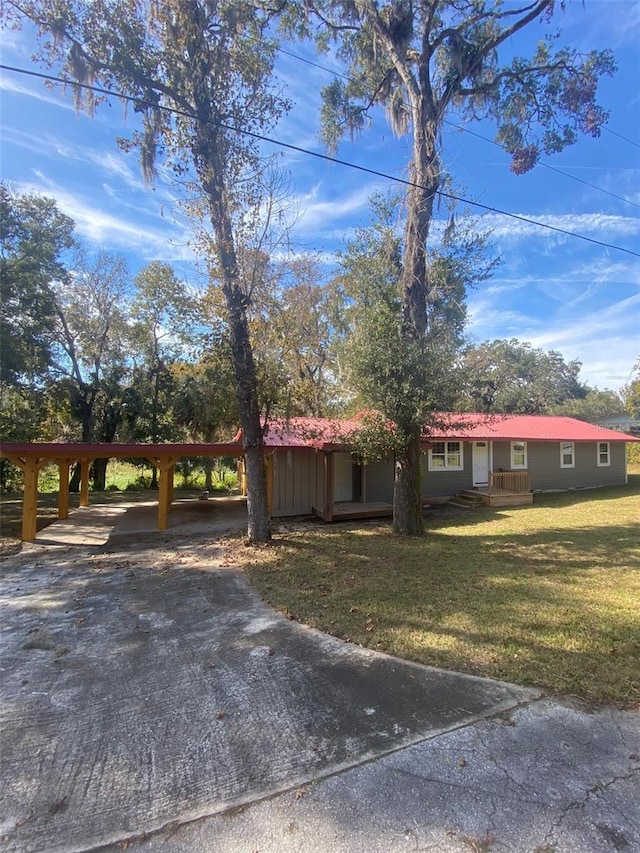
[16, 86]
[606, 341]
[325, 214]
[598, 225]
[619, 318]
[604, 338]
[105, 229]
[110, 162]
[605, 270]
[612, 23]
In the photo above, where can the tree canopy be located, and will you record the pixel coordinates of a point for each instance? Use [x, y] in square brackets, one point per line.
[199, 75]
[515, 378]
[422, 62]
[34, 239]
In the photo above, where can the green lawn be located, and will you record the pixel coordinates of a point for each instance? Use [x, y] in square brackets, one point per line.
[547, 595]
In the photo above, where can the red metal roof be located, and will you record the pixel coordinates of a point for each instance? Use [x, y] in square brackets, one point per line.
[333, 433]
[321, 433]
[479, 427]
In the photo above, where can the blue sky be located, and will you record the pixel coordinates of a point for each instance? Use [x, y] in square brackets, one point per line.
[553, 291]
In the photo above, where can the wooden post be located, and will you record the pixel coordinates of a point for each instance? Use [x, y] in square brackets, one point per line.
[171, 473]
[63, 487]
[84, 482]
[242, 477]
[30, 500]
[268, 461]
[30, 466]
[163, 496]
[328, 487]
[165, 466]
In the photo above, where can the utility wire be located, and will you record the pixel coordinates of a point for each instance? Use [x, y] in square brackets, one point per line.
[544, 165]
[325, 157]
[479, 135]
[620, 136]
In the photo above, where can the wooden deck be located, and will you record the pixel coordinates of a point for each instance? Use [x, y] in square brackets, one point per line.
[345, 510]
[506, 498]
[475, 498]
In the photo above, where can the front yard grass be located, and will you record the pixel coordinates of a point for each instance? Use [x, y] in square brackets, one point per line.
[547, 595]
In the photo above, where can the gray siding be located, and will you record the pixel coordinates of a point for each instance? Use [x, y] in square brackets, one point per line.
[298, 478]
[379, 481]
[543, 463]
[298, 474]
[442, 483]
[502, 456]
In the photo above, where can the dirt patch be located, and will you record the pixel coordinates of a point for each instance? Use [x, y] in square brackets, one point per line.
[9, 546]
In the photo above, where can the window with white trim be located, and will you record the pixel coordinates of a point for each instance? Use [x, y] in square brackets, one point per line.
[446, 456]
[604, 454]
[518, 454]
[567, 454]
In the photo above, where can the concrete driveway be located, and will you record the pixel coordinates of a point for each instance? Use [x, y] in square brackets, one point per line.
[151, 700]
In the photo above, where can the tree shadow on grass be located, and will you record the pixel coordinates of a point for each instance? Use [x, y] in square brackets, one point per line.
[554, 608]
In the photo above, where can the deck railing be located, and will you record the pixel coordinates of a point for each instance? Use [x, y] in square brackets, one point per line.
[509, 483]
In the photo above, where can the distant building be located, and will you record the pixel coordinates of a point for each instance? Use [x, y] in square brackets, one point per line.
[622, 422]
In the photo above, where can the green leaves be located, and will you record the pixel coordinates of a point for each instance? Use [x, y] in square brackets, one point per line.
[35, 236]
[513, 377]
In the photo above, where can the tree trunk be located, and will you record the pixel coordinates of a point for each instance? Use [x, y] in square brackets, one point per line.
[259, 528]
[208, 468]
[74, 482]
[99, 474]
[407, 500]
[206, 157]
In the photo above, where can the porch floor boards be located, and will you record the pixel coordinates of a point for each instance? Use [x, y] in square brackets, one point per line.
[358, 509]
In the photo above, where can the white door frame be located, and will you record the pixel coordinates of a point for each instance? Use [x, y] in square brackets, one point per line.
[478, 465]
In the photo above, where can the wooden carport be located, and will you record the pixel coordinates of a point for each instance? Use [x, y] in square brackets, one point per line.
[31, 457]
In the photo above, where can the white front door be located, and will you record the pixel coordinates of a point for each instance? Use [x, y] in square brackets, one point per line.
[480, 463]
[342, 477]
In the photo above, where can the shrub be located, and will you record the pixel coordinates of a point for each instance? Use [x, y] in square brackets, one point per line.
[633, 453]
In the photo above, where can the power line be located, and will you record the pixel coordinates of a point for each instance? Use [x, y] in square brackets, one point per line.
[325, 157]
[544, 165]
[620, 136]
[479, 135]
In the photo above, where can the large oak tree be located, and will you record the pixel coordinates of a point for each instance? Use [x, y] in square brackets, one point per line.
[198, 72]
[424, 61]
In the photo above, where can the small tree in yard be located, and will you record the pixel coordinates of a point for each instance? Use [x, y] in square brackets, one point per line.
[422, 62]
[402, 380]
[198, 73]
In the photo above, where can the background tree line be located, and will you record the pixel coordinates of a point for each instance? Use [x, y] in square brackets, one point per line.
[90, 353]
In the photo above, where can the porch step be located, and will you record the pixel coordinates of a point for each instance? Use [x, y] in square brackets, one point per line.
[468, 500]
